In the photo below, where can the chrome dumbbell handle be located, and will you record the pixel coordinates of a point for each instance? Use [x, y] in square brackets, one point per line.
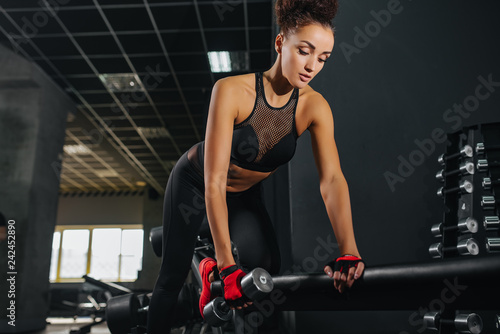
[464, 247]
[465, 225]
[463, 323]
[465, 151]
[492, 245]
[487, 183]
[465, 168]
[463, 187]
[255, 285]
[484, 164]
[489, 202]
[491, 223]
[481, 148]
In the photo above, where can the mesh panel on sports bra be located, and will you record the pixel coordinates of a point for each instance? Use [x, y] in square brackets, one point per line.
[270, 124]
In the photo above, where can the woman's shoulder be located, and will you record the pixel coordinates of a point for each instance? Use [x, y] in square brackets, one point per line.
[237, 82]
[309, 97]
[236, 90]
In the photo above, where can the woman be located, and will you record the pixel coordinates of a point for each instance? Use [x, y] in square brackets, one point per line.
[253, 123]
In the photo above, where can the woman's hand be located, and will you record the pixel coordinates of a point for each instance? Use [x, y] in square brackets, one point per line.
[345, 270]
[233, 294]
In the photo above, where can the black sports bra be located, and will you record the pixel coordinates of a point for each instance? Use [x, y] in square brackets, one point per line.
[267, 138]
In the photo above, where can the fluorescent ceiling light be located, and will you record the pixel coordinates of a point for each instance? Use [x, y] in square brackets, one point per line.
[106, 173]
[219, 61]
[152, 132]
[228, 61]
[76, 149]
[120, 82]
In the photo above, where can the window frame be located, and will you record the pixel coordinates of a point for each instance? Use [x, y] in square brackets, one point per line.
[91, 228]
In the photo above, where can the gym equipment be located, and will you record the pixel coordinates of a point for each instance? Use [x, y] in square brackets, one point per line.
[255, 285]
[86, 328]
[128, 313]
[487, 183]
[484, 164]
[489, 202]
[465, 151]
[491, 223]
[464, 247]
[481, 149]
[463, 187]
[493, 245]
[466, 283]
[464, 323]
[124, 312]
[465, 225]
[465, 168]
[109, 290]
[155, 238]
[115, 289]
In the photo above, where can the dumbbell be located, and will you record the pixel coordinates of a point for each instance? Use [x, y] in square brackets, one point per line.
[217, 289]
[465, 151]
[465, 168]
[463, 187]
[492, 245]
[491, 223]
[481, 149]
[464, 247]
[255, 285]
[125, 312]
[463, 323]
[484, 164]
[465, 225]
[487, 183]
[489, 202]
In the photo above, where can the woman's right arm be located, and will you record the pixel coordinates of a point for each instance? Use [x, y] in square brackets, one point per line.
[218, 138]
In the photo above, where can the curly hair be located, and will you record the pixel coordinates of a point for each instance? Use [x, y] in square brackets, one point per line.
[292, 14]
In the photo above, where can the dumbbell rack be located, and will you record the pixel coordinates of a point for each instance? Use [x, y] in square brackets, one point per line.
[484, 139]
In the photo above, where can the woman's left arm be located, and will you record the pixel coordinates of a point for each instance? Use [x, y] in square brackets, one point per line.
[333, 186]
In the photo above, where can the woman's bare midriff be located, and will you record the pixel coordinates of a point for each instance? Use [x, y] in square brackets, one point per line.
[241, 179]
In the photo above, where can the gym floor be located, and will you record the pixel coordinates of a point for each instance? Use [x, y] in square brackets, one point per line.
[65, 325]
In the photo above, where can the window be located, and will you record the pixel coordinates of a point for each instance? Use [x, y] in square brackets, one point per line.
[74, 249]
[108, 253]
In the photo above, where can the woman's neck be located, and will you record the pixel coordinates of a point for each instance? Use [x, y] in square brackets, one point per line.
[274, 76]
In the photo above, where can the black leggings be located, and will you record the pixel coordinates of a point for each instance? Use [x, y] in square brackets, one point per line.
[184, 212]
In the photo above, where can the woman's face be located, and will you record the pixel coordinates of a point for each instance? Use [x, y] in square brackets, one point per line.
[304, 52]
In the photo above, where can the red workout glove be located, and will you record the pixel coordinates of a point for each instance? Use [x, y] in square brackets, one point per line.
[231, 276]
[344, 263]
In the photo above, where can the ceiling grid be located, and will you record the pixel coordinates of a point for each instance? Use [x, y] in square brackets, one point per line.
[134, 134]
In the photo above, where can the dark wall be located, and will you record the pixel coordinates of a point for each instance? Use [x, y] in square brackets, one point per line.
[106, 210]
[388, 100]
[394, 91]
